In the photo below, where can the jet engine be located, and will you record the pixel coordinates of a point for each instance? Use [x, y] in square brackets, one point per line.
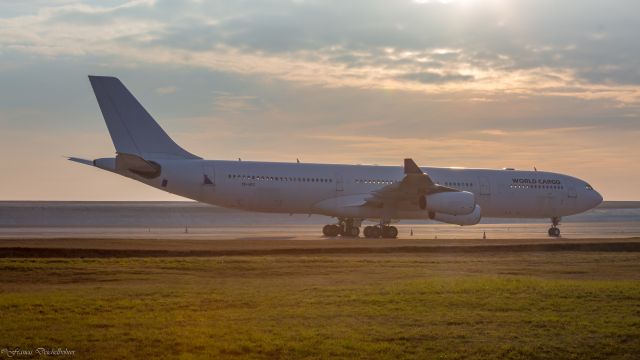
[467, 219]
[452, 203]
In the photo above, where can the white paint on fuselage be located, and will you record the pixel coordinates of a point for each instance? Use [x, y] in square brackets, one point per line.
[298, 188]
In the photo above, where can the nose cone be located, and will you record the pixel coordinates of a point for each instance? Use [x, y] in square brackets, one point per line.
[597, 198]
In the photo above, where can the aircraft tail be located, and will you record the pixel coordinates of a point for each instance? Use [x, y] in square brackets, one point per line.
[133, 131]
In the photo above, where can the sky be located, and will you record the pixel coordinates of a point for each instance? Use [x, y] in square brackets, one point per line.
[470, 83]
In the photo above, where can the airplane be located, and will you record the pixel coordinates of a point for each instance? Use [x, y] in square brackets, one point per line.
[352, 194]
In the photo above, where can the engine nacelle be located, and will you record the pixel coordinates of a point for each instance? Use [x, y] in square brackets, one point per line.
[452, 203]
[467, 219]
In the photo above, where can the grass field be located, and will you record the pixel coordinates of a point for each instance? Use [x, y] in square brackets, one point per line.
[443, 306]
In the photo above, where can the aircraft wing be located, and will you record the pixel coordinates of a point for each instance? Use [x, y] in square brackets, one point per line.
[415, 184]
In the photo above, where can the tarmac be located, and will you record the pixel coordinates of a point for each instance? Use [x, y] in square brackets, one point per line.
[150, 247]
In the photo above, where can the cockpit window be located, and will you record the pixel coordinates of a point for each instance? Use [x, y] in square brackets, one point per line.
[588, 187]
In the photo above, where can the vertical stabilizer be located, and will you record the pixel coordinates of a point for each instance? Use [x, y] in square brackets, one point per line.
[132, 129]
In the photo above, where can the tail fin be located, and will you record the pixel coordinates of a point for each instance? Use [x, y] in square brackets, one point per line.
[132, 129]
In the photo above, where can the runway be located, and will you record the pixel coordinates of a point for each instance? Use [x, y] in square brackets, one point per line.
[284, 231]
[106, 229]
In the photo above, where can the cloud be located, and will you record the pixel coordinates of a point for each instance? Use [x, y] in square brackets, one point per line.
[393, 45]
[225, 102]
[435, 78]
[166, 90]
[474, 83]
[494, 132]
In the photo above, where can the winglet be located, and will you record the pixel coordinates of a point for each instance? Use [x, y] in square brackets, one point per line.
[410, 167]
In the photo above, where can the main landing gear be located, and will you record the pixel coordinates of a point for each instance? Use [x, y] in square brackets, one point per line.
[351, 228]
[345, 227]
[554, 231]
[385, 231]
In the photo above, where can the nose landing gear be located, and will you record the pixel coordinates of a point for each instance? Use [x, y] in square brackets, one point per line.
[554, 231]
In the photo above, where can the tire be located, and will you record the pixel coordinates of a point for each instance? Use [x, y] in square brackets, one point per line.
[375, 232]
[367, 231]
[330, 230]
[354, 231]
[393, 232]
[389, 232]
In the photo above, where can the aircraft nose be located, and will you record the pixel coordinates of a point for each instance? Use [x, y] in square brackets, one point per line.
[597, 198]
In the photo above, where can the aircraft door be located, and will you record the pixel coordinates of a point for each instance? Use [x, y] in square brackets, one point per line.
[339, 183]
[485, 187]
[571, 192]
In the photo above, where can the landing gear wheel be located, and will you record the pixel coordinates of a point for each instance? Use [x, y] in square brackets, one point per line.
[353, 231]
[367, 231]
[349, 227]
[330, 230]
[372, 232]
[389, 232]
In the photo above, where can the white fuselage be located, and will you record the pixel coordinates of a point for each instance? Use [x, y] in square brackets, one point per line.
[328, 189]
[351, 193]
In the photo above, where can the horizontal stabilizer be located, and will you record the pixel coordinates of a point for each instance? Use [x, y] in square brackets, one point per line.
[81, 161]
[123, 163]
